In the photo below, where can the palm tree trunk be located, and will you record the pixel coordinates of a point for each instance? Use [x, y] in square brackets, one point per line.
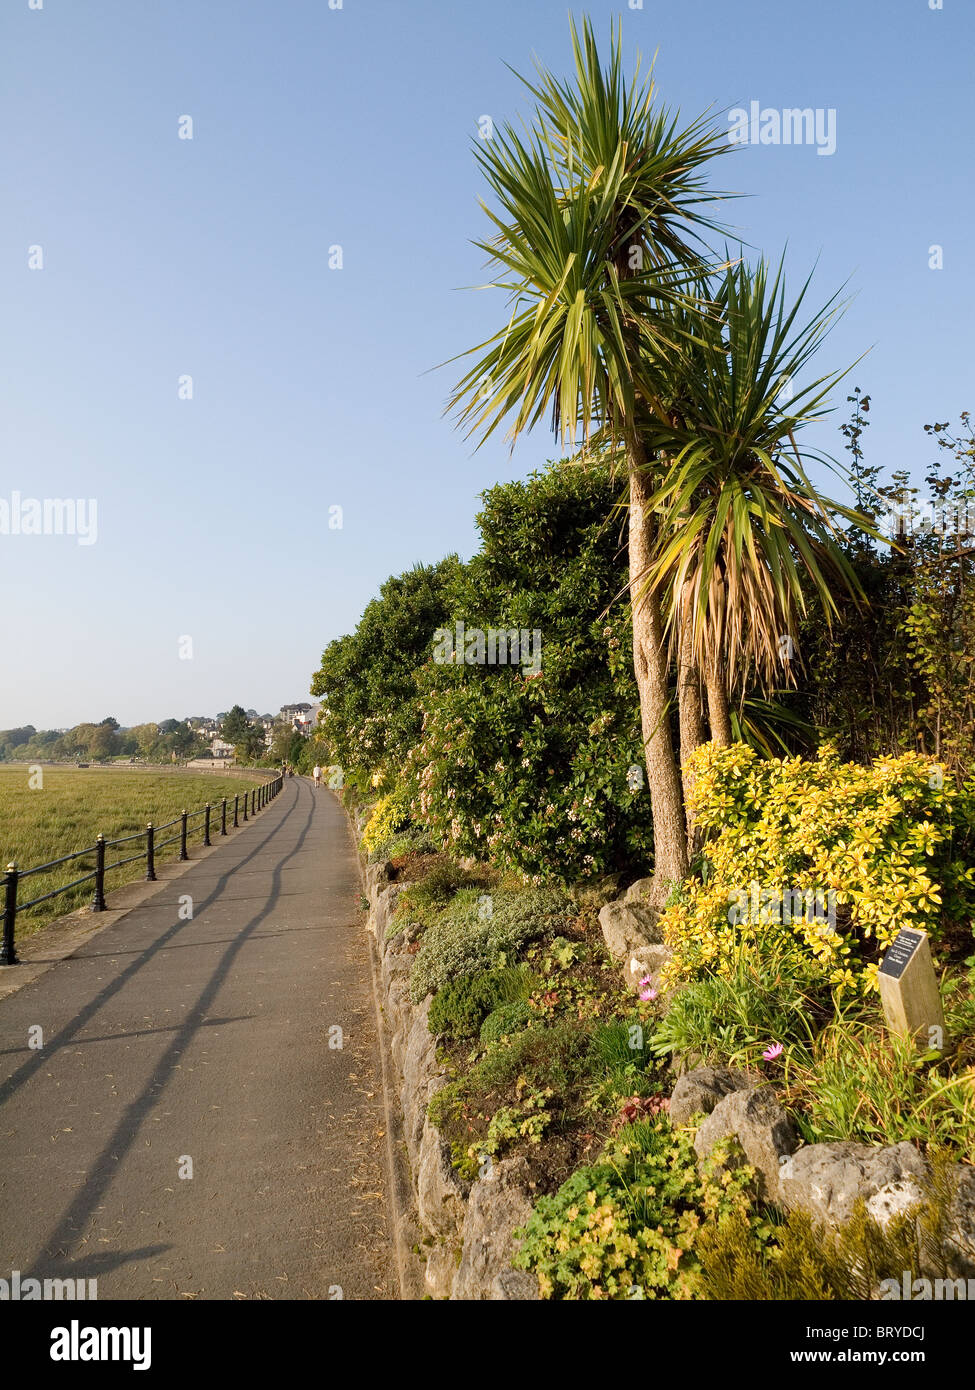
[719, 706]
[692, 730]
[651, 668]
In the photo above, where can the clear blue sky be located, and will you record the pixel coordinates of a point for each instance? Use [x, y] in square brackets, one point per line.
[312, 388]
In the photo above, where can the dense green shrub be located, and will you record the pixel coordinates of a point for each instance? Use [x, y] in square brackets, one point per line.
[505, 1020]
[628, 1226]
[478, 931]
[371, 715]
[896, 676]
[424, 901]
[410, 841]
[459, 1009]
[531, 766]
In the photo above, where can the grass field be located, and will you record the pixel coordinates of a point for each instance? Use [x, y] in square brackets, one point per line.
[74, 805]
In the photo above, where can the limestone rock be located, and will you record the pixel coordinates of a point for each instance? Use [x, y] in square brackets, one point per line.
[627, 927]
[827, 1180]
[498, 1205]
[440, 1193]
[645, 962]
[514, 1285]
[961, 1224]
[421, 1075]
[639, 892]
[440, 1271]
[765, 1132]
[698, 1092]
[377, 876]
[893, 1200]
[384, 905]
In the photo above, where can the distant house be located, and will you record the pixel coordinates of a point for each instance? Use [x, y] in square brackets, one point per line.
[220, 749]
[301, 717]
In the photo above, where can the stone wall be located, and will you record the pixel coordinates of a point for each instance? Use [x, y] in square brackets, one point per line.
[466, 1230]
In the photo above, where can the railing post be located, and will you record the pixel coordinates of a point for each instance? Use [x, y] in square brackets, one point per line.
[98, 898]
[206, 825]
[182, 837]
[245, 805]
[223, 817]
[8, 956]
[150, 853]
[236, 799]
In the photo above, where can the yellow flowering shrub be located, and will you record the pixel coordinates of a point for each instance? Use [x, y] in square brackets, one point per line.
[835, 857]
[390, 813]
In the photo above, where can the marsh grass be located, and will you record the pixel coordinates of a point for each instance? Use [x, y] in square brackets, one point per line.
[74, 805]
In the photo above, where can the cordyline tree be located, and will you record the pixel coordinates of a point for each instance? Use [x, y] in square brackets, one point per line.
[618, 316]
[743, 533]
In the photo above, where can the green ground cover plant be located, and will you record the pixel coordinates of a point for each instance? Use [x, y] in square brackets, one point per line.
[463, 1005]
[478, 931]
[860, 1081]
[551, 1067]
[629, 1225]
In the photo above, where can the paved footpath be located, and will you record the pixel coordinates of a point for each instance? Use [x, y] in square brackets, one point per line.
[170, 1041]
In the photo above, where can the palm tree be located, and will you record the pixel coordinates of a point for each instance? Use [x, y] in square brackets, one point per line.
[739, 520]
[598, 224]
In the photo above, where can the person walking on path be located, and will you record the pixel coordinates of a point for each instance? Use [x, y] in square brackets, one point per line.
[317, 775]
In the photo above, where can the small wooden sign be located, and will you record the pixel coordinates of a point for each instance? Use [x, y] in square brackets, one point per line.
[909, 990]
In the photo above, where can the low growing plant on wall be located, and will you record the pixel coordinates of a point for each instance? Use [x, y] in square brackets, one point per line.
[628, 1226]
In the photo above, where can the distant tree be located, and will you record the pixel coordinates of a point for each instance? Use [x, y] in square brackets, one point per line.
[250, 745]
[15, 737]
[183, 741]
[367, 679]
[79, 739]
[235, 725]
[286, 745]
[104, 742]
[145, 737]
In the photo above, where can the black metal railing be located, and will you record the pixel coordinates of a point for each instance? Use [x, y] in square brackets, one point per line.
[258, 797]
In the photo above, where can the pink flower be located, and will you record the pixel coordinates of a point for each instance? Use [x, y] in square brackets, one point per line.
[772, 1052]
[646, 994]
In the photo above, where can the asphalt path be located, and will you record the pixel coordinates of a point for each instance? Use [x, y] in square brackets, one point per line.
[204, 1119]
